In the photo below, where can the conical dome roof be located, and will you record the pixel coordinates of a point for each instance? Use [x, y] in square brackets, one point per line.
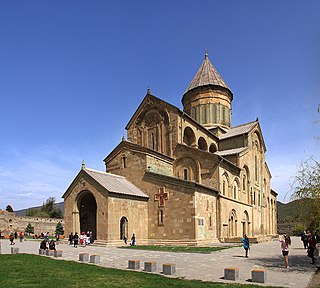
[207, 75]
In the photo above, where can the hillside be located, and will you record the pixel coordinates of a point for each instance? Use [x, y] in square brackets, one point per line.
[291, 214]
[23, 212]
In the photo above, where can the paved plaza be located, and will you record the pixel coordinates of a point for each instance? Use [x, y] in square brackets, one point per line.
[206, 267]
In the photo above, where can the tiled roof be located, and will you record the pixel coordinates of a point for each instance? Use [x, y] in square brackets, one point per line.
[115, 183]
[230, 151]
[238, 130]
[207, 75]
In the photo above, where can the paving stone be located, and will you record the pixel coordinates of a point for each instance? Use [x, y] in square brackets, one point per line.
[14, 250]
[134, 264]
[94, 259]
[169, 268]
[84, 257]
[258, 275]
[58, 253]
[150, 266]
[231, 274]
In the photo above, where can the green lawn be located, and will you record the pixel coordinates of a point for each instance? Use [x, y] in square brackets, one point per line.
[189, 249]
[25, 270]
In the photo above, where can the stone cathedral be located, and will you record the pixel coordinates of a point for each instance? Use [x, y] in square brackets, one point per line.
[182, 177]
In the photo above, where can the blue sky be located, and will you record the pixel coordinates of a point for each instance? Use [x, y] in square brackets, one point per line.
[72, 73]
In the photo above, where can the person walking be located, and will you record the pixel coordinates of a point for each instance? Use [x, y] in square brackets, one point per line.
[70, 238]
[285, 243]
[311, 247]
[21, 236]
[304, 239]
[246, 244]
[133, 240]
[75, 240]
[11, 238]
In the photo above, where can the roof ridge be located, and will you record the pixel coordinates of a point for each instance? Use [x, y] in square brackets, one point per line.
[255, 121]
[104, 173]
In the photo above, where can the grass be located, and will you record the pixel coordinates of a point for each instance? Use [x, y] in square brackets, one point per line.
[25, 270]
[188, 249]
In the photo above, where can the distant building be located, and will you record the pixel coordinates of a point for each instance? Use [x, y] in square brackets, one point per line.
[181, 177]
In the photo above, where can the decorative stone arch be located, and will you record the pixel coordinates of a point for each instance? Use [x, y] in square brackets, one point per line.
[189, 137]
[154, 128]
[187, 163]
[232, 224]
[245, 223]
[224, 183]
[85, 213]
[202, 144]
[213, 148]
[123, 228]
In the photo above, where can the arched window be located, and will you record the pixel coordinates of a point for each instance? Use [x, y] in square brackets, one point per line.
[189, 137]
[244, 182]
[235, 190]
[202, 144]
[124, 161]
[212, 148]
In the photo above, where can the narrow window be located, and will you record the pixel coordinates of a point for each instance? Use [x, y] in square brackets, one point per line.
[152, 141]
[185, 174]
[224, 187]
[124, 162]
[160, 220]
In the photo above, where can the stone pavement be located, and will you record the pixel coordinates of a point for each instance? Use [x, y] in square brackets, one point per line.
[206, 267]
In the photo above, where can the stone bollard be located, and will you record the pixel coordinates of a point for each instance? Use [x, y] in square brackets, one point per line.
[83, 257]
[231, 274]
[14, 250]
[50, 252]
[58, 253]
[258, 275]
[94, 259]
[169, 268]
[150, 266]
[134, 264]
[41, 252]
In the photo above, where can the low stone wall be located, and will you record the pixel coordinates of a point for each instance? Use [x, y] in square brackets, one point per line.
[10, 222]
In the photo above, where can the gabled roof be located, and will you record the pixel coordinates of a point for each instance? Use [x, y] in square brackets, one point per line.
[111, 182]
[207, 75]
[239, 130]
[230, 151]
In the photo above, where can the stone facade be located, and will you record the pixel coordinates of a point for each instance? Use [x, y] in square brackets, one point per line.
[202, 180]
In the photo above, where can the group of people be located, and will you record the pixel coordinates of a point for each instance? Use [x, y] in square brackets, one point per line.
[46, 244]
[82, 240]
[309, 240]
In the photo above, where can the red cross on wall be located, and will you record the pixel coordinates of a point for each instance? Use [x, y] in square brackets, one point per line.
[161, 196]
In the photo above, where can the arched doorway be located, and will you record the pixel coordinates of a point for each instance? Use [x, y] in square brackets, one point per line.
[87, 206]
[123, 228]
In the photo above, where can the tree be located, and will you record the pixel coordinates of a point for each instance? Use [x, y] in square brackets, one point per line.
[9, 208]
[50, 209]
[59, 229]
[29, 229]
[306, 186]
